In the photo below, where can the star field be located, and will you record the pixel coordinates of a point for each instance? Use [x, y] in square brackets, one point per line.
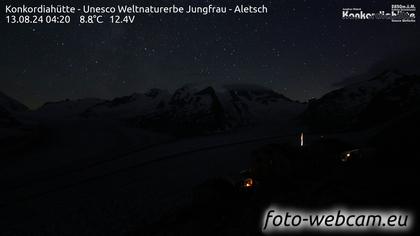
[300, 48]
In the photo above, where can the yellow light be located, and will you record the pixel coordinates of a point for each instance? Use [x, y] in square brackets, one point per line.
[248, 183]
[348, 155]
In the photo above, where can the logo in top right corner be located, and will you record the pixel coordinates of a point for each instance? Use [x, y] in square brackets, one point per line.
[403, 13]
[398, 13]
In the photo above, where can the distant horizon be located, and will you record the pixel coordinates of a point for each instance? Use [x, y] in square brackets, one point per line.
[170, 90]
[217, 86]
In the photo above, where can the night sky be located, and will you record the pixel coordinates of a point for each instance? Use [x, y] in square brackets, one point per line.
[300, 48]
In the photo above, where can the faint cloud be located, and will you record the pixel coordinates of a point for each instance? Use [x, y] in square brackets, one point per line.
[406, 62]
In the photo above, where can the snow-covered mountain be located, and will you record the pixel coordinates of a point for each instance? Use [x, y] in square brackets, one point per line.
[189, 109]
[13, 129]
[128, 107]
[11, 105]
[6, 118]
[66, 108]
[254, 104]
[206, 109]
[379, 99]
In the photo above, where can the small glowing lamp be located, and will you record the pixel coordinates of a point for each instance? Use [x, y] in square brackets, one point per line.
[301, 139]
[248, 183]
[346, 157]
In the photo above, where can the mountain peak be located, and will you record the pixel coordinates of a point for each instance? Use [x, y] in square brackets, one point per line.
[380, 98]
[388, 75]
[10, 104]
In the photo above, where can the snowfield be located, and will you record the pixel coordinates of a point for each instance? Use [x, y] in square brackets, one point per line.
[111, 167]
[97, 167]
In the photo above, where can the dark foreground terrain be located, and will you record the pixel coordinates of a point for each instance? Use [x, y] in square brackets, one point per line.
[177, 164]
[383, 175]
